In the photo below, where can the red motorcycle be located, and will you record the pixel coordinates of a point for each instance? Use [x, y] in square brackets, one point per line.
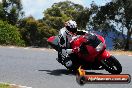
[92, 55]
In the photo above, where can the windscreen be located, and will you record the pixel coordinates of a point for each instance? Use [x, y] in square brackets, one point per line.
[93, 40]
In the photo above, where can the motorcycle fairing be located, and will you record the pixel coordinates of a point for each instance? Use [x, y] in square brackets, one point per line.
[105, 55]
[53, 41]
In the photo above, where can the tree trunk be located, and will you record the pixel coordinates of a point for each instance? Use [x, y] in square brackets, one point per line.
[129, 33]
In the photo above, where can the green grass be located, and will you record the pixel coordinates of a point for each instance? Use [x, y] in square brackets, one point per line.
[4, 85]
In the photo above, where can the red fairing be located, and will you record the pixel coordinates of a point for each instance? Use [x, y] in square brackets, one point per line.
[92, 53]
[104, 55]
[51, 39]
[101, 38]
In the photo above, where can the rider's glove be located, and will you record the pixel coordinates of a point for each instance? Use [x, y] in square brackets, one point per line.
[75, 50]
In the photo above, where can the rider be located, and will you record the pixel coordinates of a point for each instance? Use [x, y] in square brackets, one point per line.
[66, 35]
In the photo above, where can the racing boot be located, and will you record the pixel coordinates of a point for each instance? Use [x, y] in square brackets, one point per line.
[67, 62]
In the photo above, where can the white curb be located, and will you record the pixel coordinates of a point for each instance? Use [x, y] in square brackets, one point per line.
[19, 86]
[12, 47]
[129, 55]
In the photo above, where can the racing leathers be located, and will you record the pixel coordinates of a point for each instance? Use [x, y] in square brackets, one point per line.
[65, 38]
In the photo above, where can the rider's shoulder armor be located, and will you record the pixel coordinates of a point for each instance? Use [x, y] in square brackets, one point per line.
[62, 31]
[62, 37]
[65, 37]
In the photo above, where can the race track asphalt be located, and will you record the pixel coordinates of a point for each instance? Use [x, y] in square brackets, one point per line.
[38, 68]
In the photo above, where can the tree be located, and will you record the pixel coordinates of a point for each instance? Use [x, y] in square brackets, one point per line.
[2, 14]
[44, 32]
[63, 11]
[29, 30]
[9, 35]
[114, 14]
[35, 32]
[127, 6]
[11, 10]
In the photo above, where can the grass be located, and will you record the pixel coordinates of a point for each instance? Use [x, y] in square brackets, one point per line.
[121, 52]
[4, 85]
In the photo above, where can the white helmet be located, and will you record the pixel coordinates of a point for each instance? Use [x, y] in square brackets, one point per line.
[71, 26]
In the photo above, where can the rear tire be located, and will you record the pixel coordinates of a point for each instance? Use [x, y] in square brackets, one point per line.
[112, 65]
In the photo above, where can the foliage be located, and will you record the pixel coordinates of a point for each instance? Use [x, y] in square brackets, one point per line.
[11, 10]
[9, 35]
[113, 15]
[63, 11]
[34, 32]
[4, 85]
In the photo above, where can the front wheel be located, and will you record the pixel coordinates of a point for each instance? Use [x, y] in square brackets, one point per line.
[112, 65]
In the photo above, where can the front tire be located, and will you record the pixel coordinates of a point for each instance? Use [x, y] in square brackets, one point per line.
[112, 65]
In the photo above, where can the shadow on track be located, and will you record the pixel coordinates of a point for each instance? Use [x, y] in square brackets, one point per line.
[59, 72]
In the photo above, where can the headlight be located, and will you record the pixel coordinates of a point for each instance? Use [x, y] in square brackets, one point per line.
[99, 47]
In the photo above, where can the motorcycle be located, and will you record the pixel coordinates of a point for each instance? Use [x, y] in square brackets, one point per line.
[92, 55]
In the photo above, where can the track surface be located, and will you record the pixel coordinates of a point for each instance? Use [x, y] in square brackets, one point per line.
[37, 68]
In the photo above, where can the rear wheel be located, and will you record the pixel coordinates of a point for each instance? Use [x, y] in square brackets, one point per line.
[112, 65]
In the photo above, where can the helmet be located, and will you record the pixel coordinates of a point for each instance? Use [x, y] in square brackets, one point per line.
[71, 26]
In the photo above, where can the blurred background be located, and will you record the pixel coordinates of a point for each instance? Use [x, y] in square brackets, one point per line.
[30, 23]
